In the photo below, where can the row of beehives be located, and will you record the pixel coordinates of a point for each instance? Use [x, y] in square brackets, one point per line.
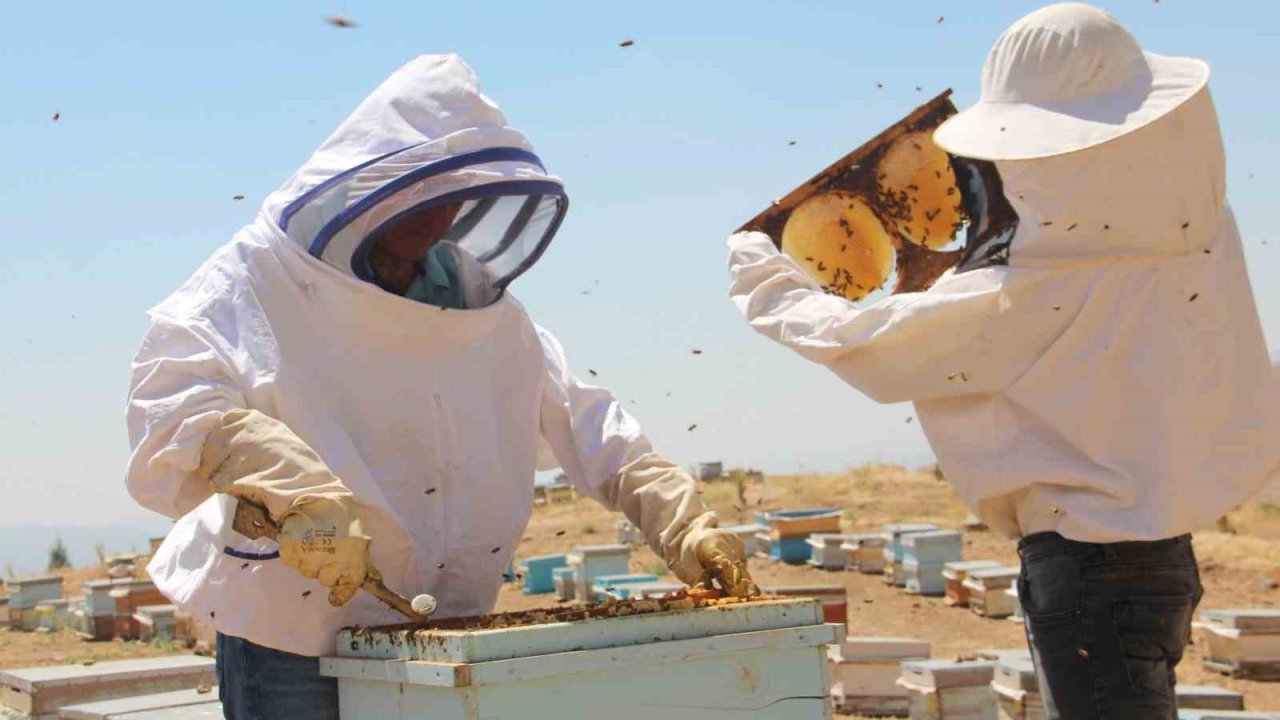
[894, 677]
[590, 573]
[127, 608]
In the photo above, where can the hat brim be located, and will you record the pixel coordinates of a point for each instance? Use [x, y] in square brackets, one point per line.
[1023, 131]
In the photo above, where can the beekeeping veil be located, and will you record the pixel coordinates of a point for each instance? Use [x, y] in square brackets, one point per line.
[1110, 365]
[426, 137]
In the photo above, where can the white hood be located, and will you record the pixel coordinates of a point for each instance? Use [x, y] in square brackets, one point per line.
[1110, 382]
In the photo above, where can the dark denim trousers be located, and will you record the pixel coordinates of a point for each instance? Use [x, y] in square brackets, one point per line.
[1107, 624]
[259, 683]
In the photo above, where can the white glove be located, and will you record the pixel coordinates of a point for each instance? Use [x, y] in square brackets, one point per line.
[258, 459]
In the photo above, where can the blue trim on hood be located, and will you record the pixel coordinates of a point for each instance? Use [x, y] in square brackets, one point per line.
[439, 167]
[289, 210]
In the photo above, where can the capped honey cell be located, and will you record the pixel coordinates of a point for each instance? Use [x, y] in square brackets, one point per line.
[917, 191]
[837, 239]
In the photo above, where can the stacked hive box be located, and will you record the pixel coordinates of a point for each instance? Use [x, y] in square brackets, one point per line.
[129, 594]
[864, 674]
[98, 612]
[865, 552]
[41, 691]
[26, 593]
[826, 551]
[763, 660]
[537, 572]
[923, 556]
[894, 574]
[945, 690]
[834, 598]
[156, 622]
[563, 578]
[1016, 690]
[1207, 697]
[789, 538]
[955, 573]
[987, 587]
[597, 560]
[1242, 643]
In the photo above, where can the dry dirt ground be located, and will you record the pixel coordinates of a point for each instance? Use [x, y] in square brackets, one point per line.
[1239, 560]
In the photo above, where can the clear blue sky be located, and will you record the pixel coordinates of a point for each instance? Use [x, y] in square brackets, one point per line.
[170, 109]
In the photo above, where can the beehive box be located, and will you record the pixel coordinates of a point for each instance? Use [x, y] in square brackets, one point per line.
[894, 554]
[606, 583]
[39, 692]
[923, 556]
[792, 551]
[1016, 689]
[537, 572]
[986, 591]
[802, 527]
[864, 674]
[1208, 697]
[26, 593]
[55, 614]
[642, 590]
[597, 560]
[176, 705]
[954, 575]
[834, 598]
[564, 581]
[156, 622]
[1243, 643]
[826, 551]
[945, 690]
[865, 552]
[671, 659]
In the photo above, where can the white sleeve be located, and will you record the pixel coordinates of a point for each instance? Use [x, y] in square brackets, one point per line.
[182, 383]
[605, 456]
[910, 346]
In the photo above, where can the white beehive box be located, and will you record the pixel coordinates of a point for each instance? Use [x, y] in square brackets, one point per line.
[923, 556]
[1243, 643]
[41, 691]
[597, 560]
[26, 593]
[753, 660]
[1208, 697]
[826, 551]
[156, 622]
[1016, 690]
[864, 552]
[955, 573]
[945, 690]
[865, 671]
[986, 591]
[894, 552]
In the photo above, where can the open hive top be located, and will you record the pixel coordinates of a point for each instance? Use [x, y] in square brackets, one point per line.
[612, 623]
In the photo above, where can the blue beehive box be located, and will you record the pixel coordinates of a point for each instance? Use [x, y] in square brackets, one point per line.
[792, 551]
[644, 589]
[616, 583]
[537, 573]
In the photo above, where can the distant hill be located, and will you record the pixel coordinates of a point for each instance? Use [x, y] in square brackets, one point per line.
[26, 547]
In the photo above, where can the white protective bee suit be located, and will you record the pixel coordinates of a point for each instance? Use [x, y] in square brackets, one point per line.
[435, 418]
[1104, 376]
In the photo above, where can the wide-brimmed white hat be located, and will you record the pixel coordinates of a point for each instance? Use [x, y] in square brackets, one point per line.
[1065, 78]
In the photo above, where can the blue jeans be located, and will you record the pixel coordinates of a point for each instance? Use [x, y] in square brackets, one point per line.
[259, 683]
[1107, 624]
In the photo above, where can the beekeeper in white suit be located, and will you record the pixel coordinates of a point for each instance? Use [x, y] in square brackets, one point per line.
[1100, 387]
[353, 362]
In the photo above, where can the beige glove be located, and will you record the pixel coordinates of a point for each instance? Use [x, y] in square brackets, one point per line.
[662, 500]
[257, 458]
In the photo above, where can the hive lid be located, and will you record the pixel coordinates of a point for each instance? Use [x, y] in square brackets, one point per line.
[1204, 691]
[962, 567]
[996, 577]
[928, 537]
[592, 551]
[1016, 673]
[942, 674]
[871, 649]
[901, 528]
[570, 629]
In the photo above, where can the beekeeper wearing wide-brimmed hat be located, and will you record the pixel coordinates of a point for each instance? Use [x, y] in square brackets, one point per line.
[353, 362]
[1099, 387]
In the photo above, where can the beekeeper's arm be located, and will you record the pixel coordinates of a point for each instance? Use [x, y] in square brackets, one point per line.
[602, 451]
[911, 346]
[192, 436]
